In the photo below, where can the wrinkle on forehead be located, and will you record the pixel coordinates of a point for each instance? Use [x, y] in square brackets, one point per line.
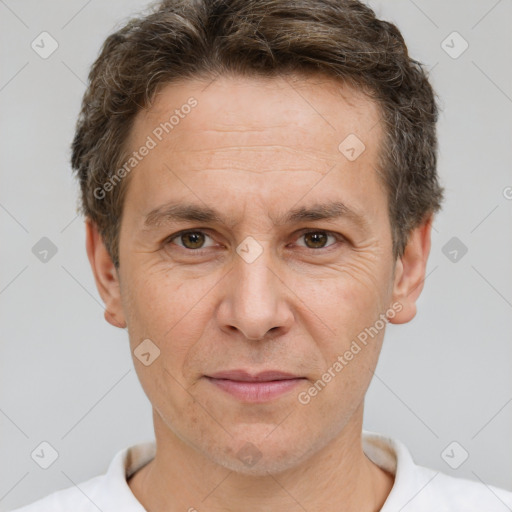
[227, 98]
[241, 126]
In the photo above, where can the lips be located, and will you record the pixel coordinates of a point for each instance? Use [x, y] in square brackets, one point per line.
[254, 388]
[244, 376]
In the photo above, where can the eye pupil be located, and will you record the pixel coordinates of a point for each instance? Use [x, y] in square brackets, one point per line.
[197, 239]
[318, 238]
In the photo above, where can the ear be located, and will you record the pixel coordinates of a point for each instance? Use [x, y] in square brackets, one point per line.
[410, 272]
[105, 275]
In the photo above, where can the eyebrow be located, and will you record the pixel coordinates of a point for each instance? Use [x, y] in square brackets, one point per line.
[177, 211]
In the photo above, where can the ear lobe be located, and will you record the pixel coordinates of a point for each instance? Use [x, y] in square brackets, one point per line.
[112, 320]
[410, 271]
[105, 275]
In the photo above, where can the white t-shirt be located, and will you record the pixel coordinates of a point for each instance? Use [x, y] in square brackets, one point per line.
[416, 488]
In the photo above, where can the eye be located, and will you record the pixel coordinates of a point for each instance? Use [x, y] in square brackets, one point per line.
[318, 239]
[191, 240]
[194, 240]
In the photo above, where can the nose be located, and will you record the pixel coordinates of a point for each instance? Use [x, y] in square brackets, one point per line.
[256, 300]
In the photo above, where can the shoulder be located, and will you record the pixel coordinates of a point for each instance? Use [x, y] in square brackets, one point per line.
[421, 489]
[107, 492]
[78, 499]
[450, 493]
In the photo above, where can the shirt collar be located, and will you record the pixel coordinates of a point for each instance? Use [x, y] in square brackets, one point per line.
[387, 453]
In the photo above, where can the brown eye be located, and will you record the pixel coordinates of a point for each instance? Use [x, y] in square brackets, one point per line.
[192, 240]
[318, 240]
[315, 239]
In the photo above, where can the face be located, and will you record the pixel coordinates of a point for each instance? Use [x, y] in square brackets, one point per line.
[288, 264]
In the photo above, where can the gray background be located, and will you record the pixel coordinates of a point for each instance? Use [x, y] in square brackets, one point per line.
[66, 375]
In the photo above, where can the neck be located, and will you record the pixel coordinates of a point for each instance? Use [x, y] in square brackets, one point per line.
[181, 478]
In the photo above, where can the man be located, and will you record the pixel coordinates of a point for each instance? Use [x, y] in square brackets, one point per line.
[259, 184]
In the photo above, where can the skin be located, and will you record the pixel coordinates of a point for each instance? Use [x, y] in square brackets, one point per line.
[254, 149]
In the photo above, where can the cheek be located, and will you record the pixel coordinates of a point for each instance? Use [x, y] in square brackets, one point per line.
[170, 309]
[351, 305]
[156, 299]
[349, 363]
[167, 311]
[351, 299]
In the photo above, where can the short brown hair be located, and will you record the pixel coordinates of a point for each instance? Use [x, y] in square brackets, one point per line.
[187, 39]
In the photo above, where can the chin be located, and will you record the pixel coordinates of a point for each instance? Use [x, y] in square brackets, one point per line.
[263, 454]
[265, 464]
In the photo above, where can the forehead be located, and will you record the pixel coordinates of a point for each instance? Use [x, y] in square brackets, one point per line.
[317, 105]
[254, 136]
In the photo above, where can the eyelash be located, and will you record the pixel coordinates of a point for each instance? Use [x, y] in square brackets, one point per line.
[199, 252]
